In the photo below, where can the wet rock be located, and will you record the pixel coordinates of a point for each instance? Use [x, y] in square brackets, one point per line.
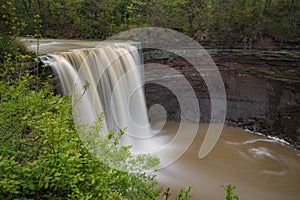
[262, 88]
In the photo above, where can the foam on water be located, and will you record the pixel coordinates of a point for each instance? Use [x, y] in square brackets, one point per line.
[260, 152]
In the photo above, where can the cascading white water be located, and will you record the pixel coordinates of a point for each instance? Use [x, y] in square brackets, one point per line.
[106, 79]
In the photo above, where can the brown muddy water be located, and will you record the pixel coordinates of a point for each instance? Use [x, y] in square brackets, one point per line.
[260, 167]
[44, 46]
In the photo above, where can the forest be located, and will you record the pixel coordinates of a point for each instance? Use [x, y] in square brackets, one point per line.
[41, 156]
[222, 23]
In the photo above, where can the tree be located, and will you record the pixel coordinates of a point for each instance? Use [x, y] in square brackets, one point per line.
[10, 28]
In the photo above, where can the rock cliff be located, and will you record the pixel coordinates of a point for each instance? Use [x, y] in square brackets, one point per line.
[262, 89]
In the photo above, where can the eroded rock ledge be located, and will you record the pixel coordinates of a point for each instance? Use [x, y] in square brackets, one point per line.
[262, 89]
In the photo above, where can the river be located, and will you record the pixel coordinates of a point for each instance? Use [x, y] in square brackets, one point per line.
[261, 168]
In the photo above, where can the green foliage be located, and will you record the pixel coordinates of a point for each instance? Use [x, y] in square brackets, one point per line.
[107, 149]
[184, 194]
[230, 194]
[283, 20]
[42, 156]
[37, 31]
[14, 66]
[10, 28]
[231, 23]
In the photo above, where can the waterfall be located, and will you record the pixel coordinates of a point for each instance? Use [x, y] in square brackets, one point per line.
[106, 79]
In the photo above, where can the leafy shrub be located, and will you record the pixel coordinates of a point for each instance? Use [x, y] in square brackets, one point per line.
[10, 28]
[42, 156]
[230, 194]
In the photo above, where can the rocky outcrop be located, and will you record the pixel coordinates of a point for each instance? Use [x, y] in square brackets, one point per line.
[262, 89]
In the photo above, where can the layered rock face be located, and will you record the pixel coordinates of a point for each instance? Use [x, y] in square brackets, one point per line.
[262, 89]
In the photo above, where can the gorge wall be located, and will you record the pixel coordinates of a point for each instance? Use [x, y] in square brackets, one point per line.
[262, 89]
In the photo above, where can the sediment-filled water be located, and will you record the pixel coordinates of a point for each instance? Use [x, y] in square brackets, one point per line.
[261, 168]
